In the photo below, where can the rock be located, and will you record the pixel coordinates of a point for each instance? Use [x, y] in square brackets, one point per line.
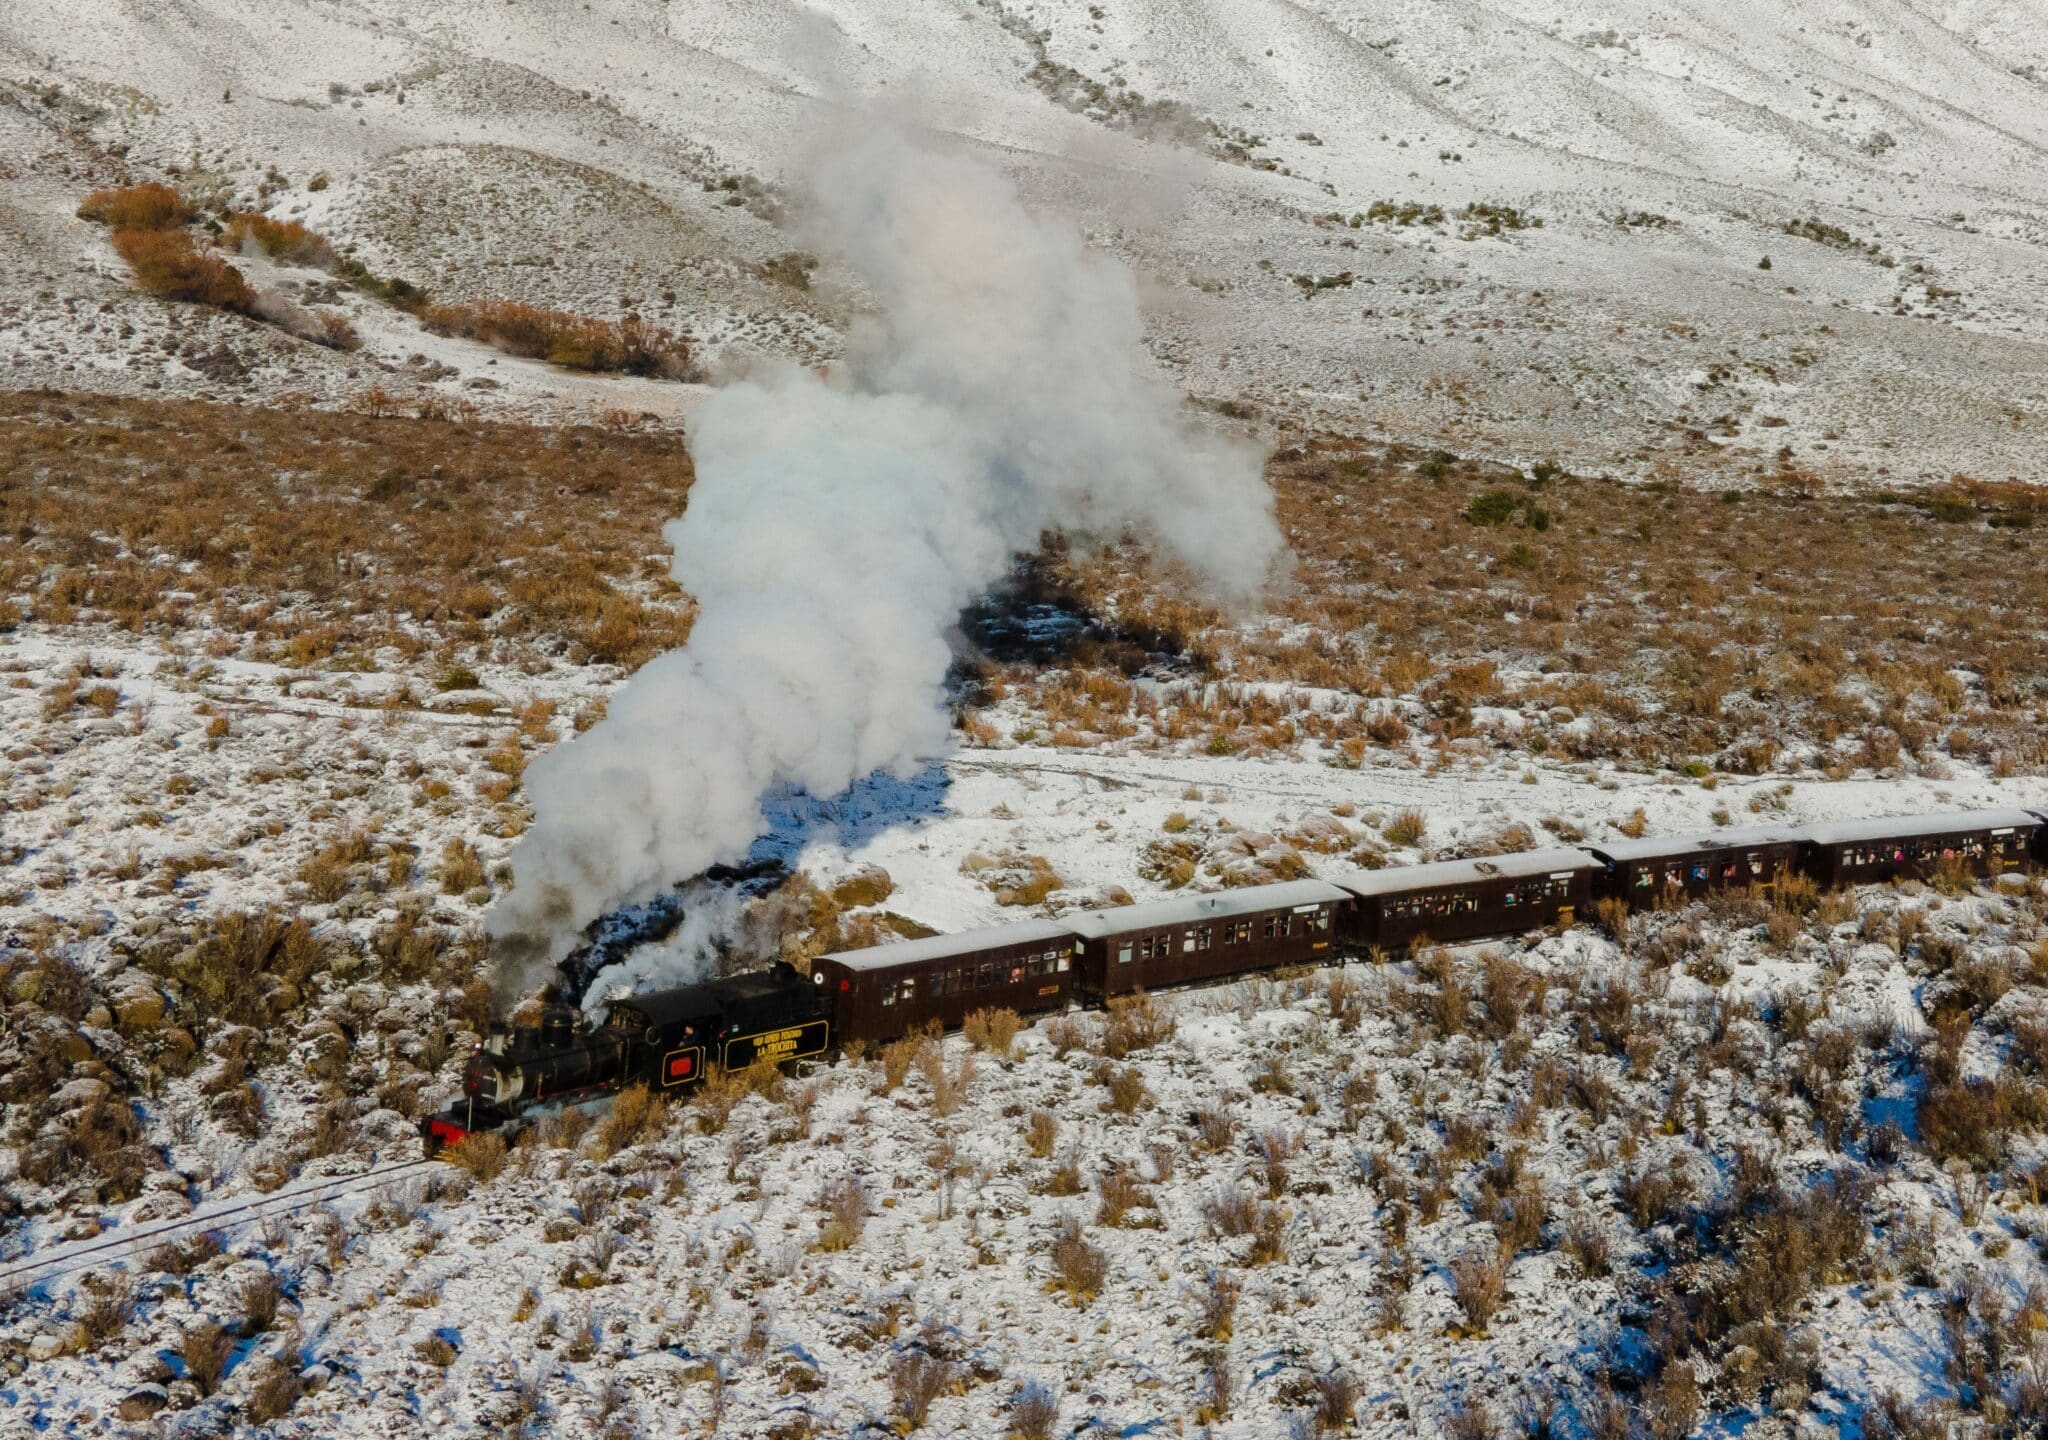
[138, 1008]
[159, 1205]
[869, 885]
[46, 1346]
[77, 1094]
[99, 1017]
[143, 1401]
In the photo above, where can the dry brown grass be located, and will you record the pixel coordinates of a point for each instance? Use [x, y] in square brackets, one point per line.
[285, 240]
[992, 1030]
[1659, 626]
[150, 206]
[845, 1203]
[482, 1155]
[482, 532]
[628, 346]
[1479, 1285]
[637, 1115]
[171, 266]
[1079, 1269]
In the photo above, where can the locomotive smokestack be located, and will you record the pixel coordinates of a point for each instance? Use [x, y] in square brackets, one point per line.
[835, 531]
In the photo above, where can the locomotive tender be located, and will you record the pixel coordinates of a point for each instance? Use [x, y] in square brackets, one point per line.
[669, 1039]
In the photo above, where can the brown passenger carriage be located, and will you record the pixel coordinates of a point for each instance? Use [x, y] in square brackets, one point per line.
[1457, 900]
[1673, 870]
[1198, 938]
[1863, 852]
[888, 991]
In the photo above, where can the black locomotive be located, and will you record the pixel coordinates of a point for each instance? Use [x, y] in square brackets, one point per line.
[669, 1039]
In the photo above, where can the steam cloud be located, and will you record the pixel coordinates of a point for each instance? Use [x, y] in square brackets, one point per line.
[836, 530]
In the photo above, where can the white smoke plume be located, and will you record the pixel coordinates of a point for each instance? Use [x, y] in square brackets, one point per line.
[836, 529]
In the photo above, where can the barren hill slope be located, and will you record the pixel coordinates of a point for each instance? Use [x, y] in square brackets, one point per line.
[1294, 178]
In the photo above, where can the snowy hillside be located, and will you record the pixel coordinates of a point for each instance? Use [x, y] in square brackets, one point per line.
[627, 155]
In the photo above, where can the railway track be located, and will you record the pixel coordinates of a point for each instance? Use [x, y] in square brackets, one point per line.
[53, 1262]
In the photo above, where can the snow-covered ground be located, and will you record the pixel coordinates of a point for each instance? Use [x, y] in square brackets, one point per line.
[687, 1282]
[616, 155]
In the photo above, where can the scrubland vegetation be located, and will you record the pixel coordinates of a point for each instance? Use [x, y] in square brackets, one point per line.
[1445, 611]
[152, 233]
[323, 539]
[1671, 1154]
[1664, 1165]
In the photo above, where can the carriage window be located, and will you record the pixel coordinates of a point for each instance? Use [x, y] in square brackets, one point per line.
[1063, 962]
[1187, 943]
[988, 974]
[1642, 879]
[889, 996]
[1123, 953]
[1016, 974]
[1208, 933]
[1322, 919]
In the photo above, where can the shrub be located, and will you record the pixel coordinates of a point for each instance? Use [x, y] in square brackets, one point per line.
[482, 1154]
[1041, 1132]
[260, 1295]
[718, 1095]
[106, 1312]
[1588, 1245]
[285, 240]
[992, 1030]
[245, 967]
[916, 1379]
[169, 266]
[1219, 1386]
[1217, 1316]
[1479, 1285]
[1336, 1399]
[1079, 1269]
[898, 1056]
[1215, 1128]
[637, 1115]
[1126, 1086]
[1033, 1412]
[846, 1213]
[461, 869]
[204, 1349]
[149, 206]
[1610, 913]
[1135, 1022]
[1407, 829]
[275, 1391]
[1120, 1194]
[1493, 507]
[628, 346]
[949, 1087]
[1967, 1119]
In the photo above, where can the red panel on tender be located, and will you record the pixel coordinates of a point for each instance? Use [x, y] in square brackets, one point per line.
[447, 1132]
[679, 1067]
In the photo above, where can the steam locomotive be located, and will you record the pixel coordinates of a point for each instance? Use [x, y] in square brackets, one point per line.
[670, 1039]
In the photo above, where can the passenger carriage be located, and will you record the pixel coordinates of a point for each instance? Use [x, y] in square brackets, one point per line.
[1671, 871]
[1457, 900]
[1199, 938]
[890, 990]
[1864, 852]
